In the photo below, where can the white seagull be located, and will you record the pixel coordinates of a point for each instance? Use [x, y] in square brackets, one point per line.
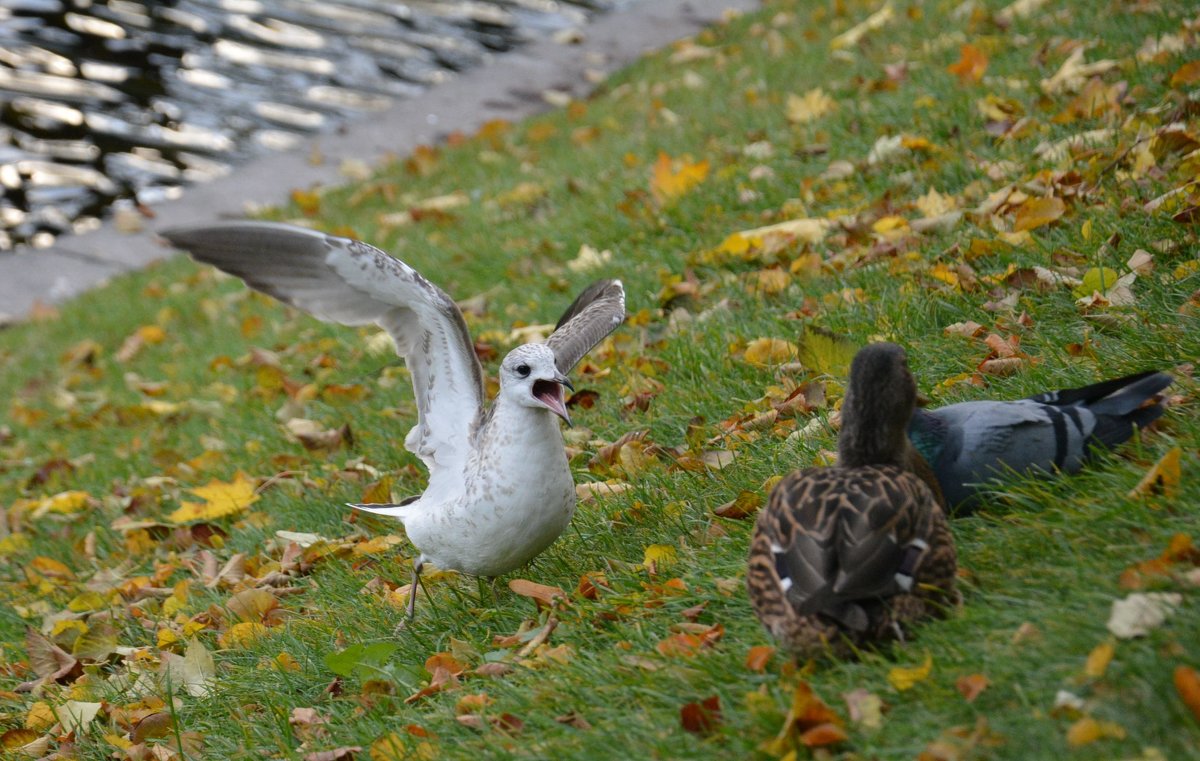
[500, 490]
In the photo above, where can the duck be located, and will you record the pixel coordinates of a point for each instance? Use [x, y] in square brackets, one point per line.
[966, 447]
[851, 555]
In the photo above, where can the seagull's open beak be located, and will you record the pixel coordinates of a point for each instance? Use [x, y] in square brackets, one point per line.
[550, 393]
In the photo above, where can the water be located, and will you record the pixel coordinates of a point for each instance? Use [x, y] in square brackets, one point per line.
[120, 103]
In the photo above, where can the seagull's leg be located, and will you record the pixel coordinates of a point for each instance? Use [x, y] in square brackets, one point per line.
[495, 594]
[416, 584]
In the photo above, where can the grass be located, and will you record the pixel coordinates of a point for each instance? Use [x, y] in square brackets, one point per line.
[135, 433]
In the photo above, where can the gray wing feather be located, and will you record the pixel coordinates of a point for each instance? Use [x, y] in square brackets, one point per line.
[349, 282]
[595, 313]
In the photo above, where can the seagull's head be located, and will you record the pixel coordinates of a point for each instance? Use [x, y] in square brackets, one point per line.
[529, 377]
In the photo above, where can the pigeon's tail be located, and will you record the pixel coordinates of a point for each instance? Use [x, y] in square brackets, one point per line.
[1118, 396]
[1130, 401]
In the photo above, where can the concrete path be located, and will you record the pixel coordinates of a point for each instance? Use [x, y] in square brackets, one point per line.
[508, 87]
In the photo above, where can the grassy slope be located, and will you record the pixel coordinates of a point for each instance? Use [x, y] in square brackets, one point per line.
[1047, 553]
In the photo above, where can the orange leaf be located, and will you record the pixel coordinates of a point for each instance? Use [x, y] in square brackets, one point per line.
[542, 594]
[701, 718]
[758, 657]
[1038, 212]
[446, 661]
[1187, 684]
[970, 686]
[970, 65]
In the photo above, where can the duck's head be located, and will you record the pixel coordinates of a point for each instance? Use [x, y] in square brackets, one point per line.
[529, 377]
[879, 403]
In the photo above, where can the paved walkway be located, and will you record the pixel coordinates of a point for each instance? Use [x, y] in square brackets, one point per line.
[508, 87]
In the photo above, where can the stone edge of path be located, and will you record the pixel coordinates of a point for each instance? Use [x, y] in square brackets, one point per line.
[507, 87]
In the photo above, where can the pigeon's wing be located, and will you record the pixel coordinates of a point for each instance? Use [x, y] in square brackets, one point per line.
[595, 313]
[346, 281]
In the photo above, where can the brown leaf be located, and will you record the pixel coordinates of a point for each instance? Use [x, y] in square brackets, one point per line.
[545, 596]
[445, 661]
[822, 735]
[971, 685]
[1187, 74]
[573, 719]
[48, 660]
[590, 583]
[701, 718]
[1162, 479]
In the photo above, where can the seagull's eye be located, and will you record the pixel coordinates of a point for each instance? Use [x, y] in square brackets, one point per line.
[523, 371]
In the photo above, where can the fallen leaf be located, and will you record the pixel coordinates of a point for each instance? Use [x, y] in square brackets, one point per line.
[758, 657]
[1138, 614]
[701, 718]
[220, 499]
[807, 714]
[971, 685]
[672, 178]
[802, 109]
[75, 715]
[658, 556]
[337, 754]
[1098, 660]
[745, 505]
[906, 678]
[1187, 74]
[1187, 684]
[543, 595]
[1037, 212]
[866, 708]
[825, 352]
[1087, 730]
[770, 351]
[1162, 479]
[971, 64]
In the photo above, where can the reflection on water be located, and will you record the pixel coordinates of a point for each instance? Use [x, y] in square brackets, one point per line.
[115, 102]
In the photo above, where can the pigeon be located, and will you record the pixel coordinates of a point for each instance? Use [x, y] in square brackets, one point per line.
[968, 444]
[500, 490]
[846, 556]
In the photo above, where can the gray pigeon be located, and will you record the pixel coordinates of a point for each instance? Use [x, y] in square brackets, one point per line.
[970, 443]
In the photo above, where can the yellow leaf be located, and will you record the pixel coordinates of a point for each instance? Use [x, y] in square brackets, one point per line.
[1098, 660]
[768, 282]
[87, 601]
[1162, 479]
[1037, 212]
[1088, 730]
[934, 204]
[220, 499]
[65, 502]
[802, 109]
[670, 178]
[770, 351]
[825, 352]
[944, 273]
[285, 662]
[659, 555]
[166, 638]
[41, 716]
[51, 567]
[906, 678]
[242, 634]
[889, 224]
[1097, 280]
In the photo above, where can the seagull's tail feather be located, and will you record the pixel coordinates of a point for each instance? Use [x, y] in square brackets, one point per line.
[393, 509]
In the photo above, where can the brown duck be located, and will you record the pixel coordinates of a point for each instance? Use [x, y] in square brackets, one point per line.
[851, 554]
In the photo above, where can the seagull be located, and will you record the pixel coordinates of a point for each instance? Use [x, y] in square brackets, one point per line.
[847, 555]
[968, 444]
[500, 490]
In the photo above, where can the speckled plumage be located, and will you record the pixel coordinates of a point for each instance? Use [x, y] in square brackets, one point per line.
[852, 554]
[500, 490]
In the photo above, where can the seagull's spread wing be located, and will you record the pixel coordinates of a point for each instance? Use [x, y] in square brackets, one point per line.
[346, 281]
[595, 313]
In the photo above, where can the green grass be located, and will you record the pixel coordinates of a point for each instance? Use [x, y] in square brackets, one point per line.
[1045, 552]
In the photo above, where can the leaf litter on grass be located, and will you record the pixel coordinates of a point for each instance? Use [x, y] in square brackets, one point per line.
[938, 178]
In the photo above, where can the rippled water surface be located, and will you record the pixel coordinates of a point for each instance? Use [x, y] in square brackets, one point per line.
[104, 104]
